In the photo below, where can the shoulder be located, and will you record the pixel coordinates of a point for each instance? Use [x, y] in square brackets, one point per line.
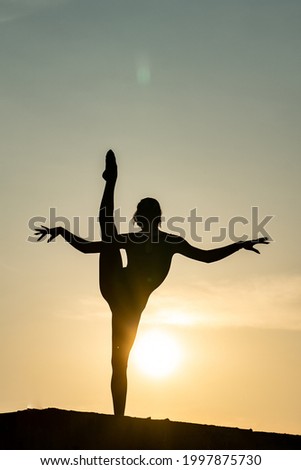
[171, 238]
[131, 238]
[160, 237]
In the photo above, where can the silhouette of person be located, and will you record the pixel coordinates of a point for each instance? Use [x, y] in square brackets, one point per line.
[149, 255]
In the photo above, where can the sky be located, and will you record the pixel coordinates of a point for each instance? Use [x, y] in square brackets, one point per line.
[200, 101]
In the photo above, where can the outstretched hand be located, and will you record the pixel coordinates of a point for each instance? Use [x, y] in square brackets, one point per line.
[249, 244]
[43, 231]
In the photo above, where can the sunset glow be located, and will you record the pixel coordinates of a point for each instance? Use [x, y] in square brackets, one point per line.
[156, 354]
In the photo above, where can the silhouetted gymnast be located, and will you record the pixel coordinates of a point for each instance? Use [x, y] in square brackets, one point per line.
[149, 254]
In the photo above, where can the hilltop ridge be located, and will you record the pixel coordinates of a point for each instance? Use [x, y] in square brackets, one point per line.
[60, 429]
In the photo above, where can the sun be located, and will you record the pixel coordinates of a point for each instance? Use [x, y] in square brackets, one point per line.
[156, 354]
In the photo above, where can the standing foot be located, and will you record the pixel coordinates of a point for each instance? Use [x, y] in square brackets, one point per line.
[110, 173]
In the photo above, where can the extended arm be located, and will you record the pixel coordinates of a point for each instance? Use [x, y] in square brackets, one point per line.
[210, 256]
[80, 244]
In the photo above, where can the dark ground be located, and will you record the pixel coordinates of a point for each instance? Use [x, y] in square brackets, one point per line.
[72, 430]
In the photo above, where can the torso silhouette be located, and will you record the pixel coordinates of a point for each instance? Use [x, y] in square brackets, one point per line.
[149, 258]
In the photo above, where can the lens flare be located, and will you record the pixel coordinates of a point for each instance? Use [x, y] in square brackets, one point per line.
[143, 72]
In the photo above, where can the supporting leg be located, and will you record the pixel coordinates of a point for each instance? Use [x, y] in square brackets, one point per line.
[124, 331]
[119, 386]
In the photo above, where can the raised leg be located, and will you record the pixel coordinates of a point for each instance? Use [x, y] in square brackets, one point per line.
[110, 261]
[106, 210]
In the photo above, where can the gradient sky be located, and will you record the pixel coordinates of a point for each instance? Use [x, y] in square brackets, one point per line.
[200, 100]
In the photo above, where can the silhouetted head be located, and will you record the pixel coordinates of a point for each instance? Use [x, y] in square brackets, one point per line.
[148, 213]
